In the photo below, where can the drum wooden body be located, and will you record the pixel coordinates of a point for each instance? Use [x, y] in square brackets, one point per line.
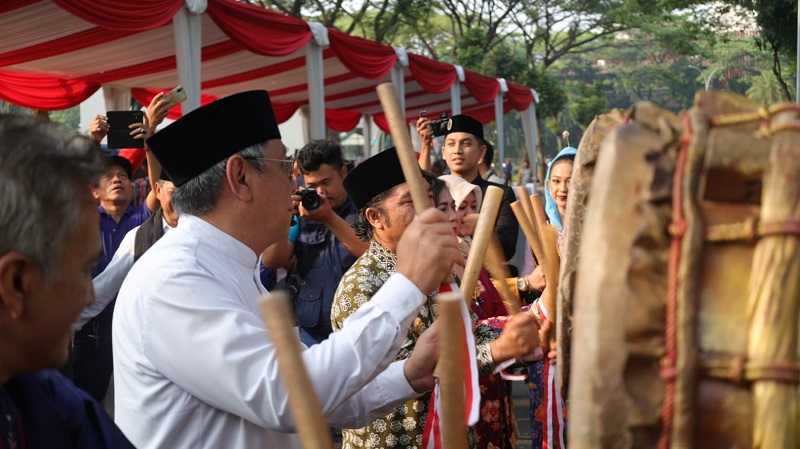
[582, 174]
[667, 298]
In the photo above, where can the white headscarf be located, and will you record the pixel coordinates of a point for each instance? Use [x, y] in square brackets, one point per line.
[459, 189]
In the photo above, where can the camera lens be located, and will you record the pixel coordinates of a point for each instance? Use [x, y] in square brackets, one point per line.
[311, 200]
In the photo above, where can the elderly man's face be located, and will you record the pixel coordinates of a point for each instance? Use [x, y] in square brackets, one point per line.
[52, 306]
[164, 191]
[275, 193]
[114, 185]
[396, 213]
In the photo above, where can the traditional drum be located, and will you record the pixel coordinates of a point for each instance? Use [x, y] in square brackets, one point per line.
[582, 174]
[686, 301]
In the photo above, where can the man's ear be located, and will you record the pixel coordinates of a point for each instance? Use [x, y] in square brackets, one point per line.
[344, 171]
[239, 178]
[18, 275]
[375, 217]
[483, 153]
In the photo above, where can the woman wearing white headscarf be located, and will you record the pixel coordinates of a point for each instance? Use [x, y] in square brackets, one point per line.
[461, 201]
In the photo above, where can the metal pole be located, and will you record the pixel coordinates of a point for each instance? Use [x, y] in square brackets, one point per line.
[711, 75]
[316, 89]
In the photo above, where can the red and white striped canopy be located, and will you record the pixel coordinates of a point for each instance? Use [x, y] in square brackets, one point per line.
[56, 53]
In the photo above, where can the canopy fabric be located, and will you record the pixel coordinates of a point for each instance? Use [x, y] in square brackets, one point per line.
[56, 53]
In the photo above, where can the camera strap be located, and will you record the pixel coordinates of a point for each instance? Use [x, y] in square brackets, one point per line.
[298, 273]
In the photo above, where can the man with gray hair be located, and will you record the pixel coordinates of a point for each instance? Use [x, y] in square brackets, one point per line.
[194, 364]
[48, 245]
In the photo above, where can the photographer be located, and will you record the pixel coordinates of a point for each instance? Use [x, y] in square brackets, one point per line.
[326, 245]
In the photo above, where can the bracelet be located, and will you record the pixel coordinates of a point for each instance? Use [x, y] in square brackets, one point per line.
[485, 359]
[534, 310]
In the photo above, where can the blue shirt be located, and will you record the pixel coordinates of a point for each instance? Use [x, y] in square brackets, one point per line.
[112, 232]
[314, 300]
[57, 414]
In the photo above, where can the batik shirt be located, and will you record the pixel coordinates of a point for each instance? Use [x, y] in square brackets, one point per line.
[403, 427]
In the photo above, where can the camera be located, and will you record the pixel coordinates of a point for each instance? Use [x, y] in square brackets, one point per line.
[439, 127]
[309, 198]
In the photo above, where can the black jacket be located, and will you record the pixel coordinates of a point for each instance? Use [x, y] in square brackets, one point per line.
[506, 227]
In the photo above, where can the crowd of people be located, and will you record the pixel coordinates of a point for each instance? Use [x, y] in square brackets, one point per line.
[164, 293]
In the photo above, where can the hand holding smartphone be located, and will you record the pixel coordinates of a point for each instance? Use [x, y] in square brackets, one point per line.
[176, 96]
[119, 132]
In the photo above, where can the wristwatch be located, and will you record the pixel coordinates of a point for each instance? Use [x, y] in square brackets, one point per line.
[522, 284]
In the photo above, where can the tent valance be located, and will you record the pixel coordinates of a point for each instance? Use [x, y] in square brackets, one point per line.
[56, 53]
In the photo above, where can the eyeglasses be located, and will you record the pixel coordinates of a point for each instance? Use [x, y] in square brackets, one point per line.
[288, 164]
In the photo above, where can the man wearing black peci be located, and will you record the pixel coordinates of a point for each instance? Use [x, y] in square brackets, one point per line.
[463, 148]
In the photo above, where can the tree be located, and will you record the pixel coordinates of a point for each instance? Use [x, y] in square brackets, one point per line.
[70, 118]
[590, 103]
[777, 32]
[379, 20]
[765, 88]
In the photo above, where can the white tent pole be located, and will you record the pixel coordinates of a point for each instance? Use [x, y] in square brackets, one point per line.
[117, 98]
[367, 135]
[316, 85]
[530, 131]
[399, 86]
[455, 98]
[398, 75]
[455, 91]
[500, 145]
[188, 44]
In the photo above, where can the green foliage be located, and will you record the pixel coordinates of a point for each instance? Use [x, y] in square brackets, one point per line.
[584, 57]
[590, 102]
[777, 20]
[70, 118]
[765, 88]
[506, 62]
[469, 49]
[552, 96]
[8, 108]
[777, 33]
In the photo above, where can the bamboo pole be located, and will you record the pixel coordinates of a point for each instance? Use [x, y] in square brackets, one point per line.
[452, 370]
[480, 240]
[310, 423]
[552, 261]
[450, 367]
[402, 142]
[529, 230]
[774, 294]
[528, 203]
[524, 199]
[497, 269]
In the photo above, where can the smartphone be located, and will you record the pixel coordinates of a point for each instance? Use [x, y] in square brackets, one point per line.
[175, 96]
[119, 135]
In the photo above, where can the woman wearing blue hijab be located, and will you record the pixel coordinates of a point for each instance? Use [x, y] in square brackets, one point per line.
[557, 181]
[559, 173]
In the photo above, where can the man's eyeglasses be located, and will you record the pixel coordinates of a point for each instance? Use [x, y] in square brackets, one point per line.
[288, 164]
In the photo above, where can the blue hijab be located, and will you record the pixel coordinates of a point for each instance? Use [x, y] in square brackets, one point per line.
[550, 206]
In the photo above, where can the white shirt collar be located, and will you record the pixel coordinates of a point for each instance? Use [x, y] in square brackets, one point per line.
[164, 225]
[210, 235]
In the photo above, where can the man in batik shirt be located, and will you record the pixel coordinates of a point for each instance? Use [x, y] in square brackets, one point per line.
[378, 190]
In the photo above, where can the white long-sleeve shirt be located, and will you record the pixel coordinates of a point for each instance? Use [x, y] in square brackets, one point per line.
[107, 284]
[194, 365]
